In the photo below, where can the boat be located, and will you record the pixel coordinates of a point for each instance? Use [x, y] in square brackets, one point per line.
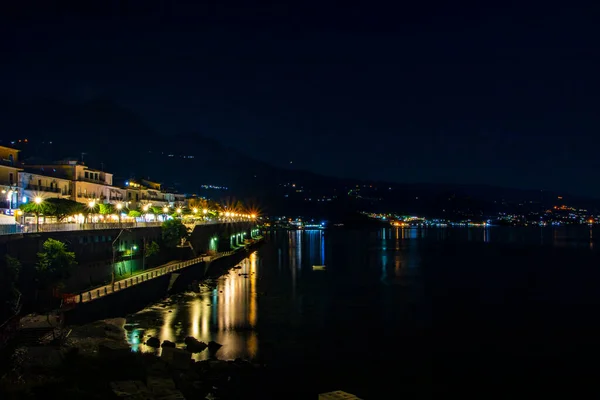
[318, 268]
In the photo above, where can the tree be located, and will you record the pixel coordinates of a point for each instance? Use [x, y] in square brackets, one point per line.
[63, 208]
[53, 207]
[54, 264]
[173, 231]
[9, 293]
[156, 210]
[134, 214]
[198, 203]
[106, 209]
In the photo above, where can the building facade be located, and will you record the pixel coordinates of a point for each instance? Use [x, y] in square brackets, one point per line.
[35, 184]
[9, 179]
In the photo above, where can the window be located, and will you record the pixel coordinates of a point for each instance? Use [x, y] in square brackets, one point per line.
[87, 175]
[10, 178]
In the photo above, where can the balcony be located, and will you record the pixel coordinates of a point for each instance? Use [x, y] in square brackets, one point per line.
[38, 188]
[90, 180]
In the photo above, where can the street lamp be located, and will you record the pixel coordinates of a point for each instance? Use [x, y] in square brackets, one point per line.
[165, 211]
[38, 200]
[145, 208]
[119, 208]
[91, 206]
[179, 212]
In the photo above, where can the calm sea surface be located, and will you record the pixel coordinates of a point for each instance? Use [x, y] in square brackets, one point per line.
[474, 312]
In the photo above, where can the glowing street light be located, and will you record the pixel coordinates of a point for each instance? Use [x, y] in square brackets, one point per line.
[227, 214]
[178, 211]
[38, 200]
[119, 207]
[205, 211]
[145, 208]
[165, 209]
[92, 204]
[253, 216]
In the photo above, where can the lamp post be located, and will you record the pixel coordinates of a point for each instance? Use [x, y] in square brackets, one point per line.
[165, 211]
[179, 212]
[119, 208]
[38, 201]
[91, 206]
[145, 208]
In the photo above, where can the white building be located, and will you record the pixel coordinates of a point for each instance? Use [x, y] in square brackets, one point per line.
[35, 184]
[9, 179]
[86, 184]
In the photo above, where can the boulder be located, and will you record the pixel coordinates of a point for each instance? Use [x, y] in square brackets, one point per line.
[194, 345]
[112, 349]
[176, 358]
[167, 343]
[153, 342]
[214, 346]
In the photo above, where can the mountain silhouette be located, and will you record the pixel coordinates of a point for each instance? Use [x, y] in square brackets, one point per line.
[106, 135]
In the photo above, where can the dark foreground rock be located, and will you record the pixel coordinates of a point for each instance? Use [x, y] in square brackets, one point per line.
[153, 342]
[167, 343]
[113, 372]
[194, 345]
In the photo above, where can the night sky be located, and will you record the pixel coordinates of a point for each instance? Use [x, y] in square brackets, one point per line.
[442, 93]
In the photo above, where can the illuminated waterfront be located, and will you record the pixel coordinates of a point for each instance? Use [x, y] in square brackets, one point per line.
[415, 298]
[225, 313]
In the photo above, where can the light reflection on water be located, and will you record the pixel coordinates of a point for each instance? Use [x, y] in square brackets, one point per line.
[226, 314]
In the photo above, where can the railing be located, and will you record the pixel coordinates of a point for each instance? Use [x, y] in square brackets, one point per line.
[47, 189]
[93, 227]
[93, 294]
[105, 290]
[60, 227]
[11, 229]
[91, 180]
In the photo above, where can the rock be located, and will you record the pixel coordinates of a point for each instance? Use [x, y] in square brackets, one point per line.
[161, 386]
[176, 358]
[214, 346]
[153, 342]
[194, 345]
[130, 389]
[167, 343]
[112, 349]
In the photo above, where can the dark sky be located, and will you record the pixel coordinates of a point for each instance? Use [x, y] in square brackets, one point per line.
[456, 93]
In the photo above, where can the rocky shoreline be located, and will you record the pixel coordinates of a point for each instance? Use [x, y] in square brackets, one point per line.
[96, 361]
